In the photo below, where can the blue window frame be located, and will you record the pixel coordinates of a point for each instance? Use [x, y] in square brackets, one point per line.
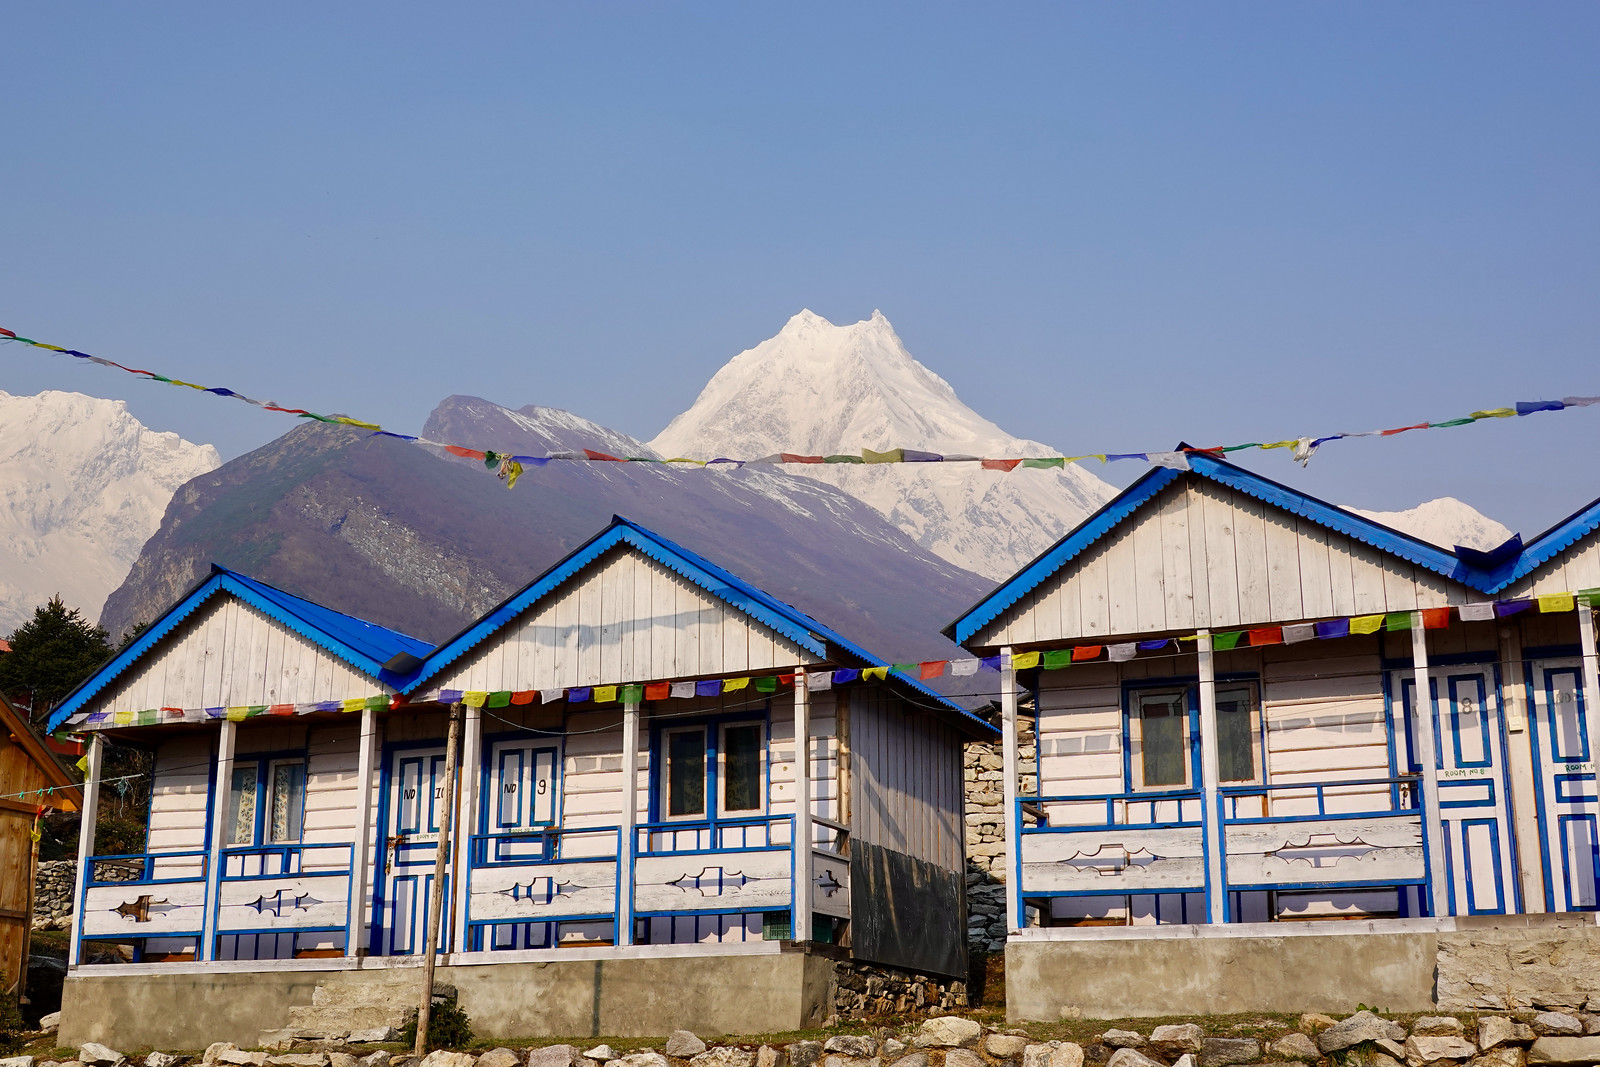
[267, 800]
[710, 769]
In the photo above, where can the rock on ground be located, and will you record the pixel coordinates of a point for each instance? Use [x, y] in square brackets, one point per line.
[215, 1049]
[1565, 1050]
[962, 1057]
[1128, 1057]
[1424, 1050]
[448, 1059]
[852, 1045]
[647, 1058]
[684, 1044]
[767, 1056]
[1222, 1051]
[603, 1053]
[94, 1054]
[1496, 1030]
[17, 1061]
[1122, 1039]
[1436, 1026]
[376, 1035]
[1296, 1047]
[499, 1057]
[947, 1031]
[1506, 1056]
[804, 1053]
[1557, 1024]
[725, 1056]
[1004, 1046]
[161, 1059]
[1362, 1026]
[1176, 1039]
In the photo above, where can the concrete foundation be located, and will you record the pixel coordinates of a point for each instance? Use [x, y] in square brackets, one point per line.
[160, 1007]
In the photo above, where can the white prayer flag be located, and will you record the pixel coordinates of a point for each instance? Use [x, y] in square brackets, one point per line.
[550, 696]
[817, 681]
[1302, 631]
[1123, 652]
[1477, 612]
[964, 668]
[681, 689]
[1175, 460]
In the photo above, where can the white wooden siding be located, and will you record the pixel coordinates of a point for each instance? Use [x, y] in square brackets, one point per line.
[228, 654]
[1576, 568]
[1203, 555]
[906, 784]
[625, 618]
[179, 789]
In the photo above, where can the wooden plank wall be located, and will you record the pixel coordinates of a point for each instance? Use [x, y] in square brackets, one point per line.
[1201, 554]
[626, 618]
[227, 654]
[179, 794]
[906, 779]
[1576, 568]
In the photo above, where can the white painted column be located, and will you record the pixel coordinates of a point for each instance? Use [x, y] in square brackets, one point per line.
[1008, 774]
[1520, 773]
[625, 825]
[86, 822]
[467, 820]
[1210, 785]
[361, 859]
[1422, 732]
[1591, 677]
[802, 808]
[219, 832]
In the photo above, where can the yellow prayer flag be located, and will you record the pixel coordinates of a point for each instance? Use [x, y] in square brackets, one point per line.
[1280, 444]
[122, 718]
[472, 698]
[1366, 624]
[1495, 413]
[874, 674]
[1025, 661]
[353, 704]
[1557, 602]
[605, 694]
[238, 714]
[733, 685]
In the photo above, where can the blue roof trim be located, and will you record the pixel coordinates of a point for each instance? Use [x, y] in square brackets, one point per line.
[363, 645]
[760, 605]
[1539, 551]
[1058, 555]
[1436, 559]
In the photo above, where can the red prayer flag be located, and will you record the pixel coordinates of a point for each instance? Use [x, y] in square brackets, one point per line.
[592, 454]
[524, 696]
[658, 690]
[790, 457]
[1267, 635]
[1435, 618]
[281, 709]
[464, 453]
[1403, 429]
[1086, 652]
[1214, 451]
[933, 668]
[7, 332]
[173, 711]
[1000, 464]
[785, 679]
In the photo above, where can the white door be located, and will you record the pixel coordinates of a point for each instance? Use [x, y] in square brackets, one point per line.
[1564, 769]
[1474, 803]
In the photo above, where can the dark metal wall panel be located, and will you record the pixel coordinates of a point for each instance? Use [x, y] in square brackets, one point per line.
[906, 912]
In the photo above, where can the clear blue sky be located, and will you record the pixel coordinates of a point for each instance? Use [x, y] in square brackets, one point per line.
[1108, 226]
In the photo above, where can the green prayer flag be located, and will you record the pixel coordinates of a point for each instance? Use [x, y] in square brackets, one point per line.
[378, 703]
[499, 699]
[1224, 642]
[1235, 448]
[491, 460]
[149, 717]
[1449, 422]
[1592, 595]
[1057, 461]
[1397, 620]
[842, 459]
[632, 694]
[1054, 661]
[912, 669]
[769, 684]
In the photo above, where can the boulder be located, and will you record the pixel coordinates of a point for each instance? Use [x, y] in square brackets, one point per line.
[1004, 1046]
[1505, 1056]
[1176, 1039]
[499, 1057]
[1393, 1049]
[216, 1049]
[374, 1036]
[852, 1045]
[1122, 1039]
[342, 1059]
[1497, 1030]
[1362, 1026]
[767, 1056]
[646, 1058]
[1129, 1057]
[162, 1059]
[94, 1054]
[684, 1044]
[1424, 1050]
[51, 1021]
[1315, 1022]
[725, 1056]
[1296, 1047]
[17, 1061]
[376, 1059]
[947, 1031]
[963, 1057]
[1221, 1051]
[240, 1058]
[1437, 1026]
[448, 1059]
[1565, 1050]
[602, 1053]
[278, 1040]
[1186, 1060]
[804, 1053]
[914, 1059]
[299, 1059]
[553, 1056]
[1557, 1024]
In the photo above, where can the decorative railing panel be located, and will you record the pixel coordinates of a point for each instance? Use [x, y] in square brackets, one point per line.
[548, 876]
[167, 900]
[1342, 835]
[741, 865]
[284, 887]
[1112, 854]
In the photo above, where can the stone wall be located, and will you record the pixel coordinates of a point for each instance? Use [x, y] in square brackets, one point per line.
[1520, 962]
[862, 989]
[986, 837]
[52, 890]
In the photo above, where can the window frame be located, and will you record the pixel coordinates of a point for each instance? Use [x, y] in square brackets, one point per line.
[1135, 692]
[265, 765]
[664, 778]
[1134, 721]
[1258, 746]
[714, 727]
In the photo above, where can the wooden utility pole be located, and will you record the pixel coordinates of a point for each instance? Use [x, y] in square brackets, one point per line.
[447, 805]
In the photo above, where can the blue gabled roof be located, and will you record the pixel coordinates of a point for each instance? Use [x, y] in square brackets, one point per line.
[367, 647]
[784, 619]
[1102, 522]
[1539, 551]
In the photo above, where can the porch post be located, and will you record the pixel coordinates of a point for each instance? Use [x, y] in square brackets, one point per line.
[1591, 676]
[441, 859]
[355, 936]
[467, 820]
[1008, 775]
[219, 831]
[630, 814]
[1422, 732]
[86, 821]
[801, 915]
[1210, 784]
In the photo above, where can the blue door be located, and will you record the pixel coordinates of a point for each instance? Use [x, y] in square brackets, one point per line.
[414, 804]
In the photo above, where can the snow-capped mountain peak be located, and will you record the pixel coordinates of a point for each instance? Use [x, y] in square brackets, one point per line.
[83, 485]
[1446, 522]
[816, 389]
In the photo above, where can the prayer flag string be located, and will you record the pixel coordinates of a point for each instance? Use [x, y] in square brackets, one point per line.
[508, 466]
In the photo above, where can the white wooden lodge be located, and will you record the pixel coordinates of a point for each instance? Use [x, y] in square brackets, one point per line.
[631, 782]
[1286, 785]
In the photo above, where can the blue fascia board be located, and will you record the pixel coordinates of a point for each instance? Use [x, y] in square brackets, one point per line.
[316, 626]
[1060, 554]
[1545, 547]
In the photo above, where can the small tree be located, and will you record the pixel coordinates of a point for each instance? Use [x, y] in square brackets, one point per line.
[50, 655]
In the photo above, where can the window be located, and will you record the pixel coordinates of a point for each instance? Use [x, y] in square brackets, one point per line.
[1161, 739]
[712, 771]
[278, 821]
[1238, 734]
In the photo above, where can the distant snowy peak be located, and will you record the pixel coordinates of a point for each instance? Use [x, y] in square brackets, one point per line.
[83, 485]
[816, 388]
[1446, 522]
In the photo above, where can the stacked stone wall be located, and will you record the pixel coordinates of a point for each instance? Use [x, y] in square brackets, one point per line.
[861, 990]
[986, 834]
